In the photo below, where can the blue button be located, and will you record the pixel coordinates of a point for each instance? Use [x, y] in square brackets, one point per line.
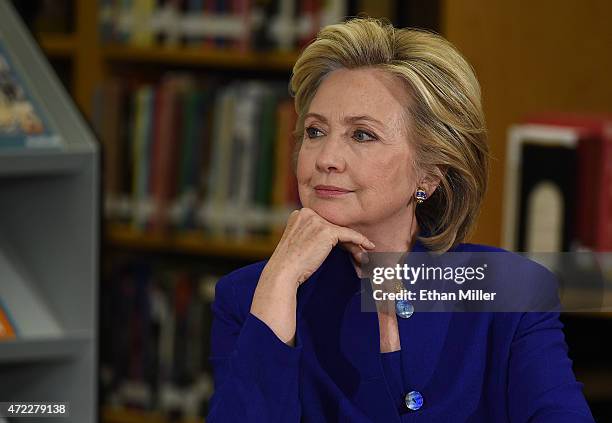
[403, 308]
[414, 400]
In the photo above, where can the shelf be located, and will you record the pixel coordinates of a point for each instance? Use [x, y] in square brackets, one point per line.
[120, 415]
[201, 57]
[33, 161]
[253, 248]
[41, 349]
[589, 314]
[597, 383]
[589, 303]
[49, 246]
[58, 45]
[64, 46]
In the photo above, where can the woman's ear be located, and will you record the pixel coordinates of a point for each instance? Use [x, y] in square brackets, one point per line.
[431, 181]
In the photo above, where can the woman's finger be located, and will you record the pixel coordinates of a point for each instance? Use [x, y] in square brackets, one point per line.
[349, 235]
[359, 254]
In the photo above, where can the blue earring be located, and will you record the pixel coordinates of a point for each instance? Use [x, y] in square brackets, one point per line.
[420, 195]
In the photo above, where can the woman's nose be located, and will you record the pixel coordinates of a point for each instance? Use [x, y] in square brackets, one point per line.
[331, 156]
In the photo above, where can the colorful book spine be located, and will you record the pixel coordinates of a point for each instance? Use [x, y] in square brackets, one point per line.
[155, 346]
[189, 154]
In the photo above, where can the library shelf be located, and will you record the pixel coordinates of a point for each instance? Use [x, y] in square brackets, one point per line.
[122, 415]
[596, 382]
[194, 56]
[49, 247]
[17, 162]
[44, 349]
[189, 242]
[591, 314]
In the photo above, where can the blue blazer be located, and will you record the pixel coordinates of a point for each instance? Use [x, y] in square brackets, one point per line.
[469, 367]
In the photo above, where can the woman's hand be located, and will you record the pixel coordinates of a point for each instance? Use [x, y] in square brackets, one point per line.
[307, 241]
[305, 244]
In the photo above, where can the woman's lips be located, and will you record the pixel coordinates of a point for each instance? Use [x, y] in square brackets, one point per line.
[327, 191]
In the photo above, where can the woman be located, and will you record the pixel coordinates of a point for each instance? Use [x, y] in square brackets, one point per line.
[391, 156]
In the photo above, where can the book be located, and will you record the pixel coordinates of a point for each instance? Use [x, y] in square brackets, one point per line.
[144, 104]
[142, 33]
[220, 174]
[191, 154]
[22, 121]
[539, 205]
[106, 123]
[167, 138]
[593, 150]
[285, 183]
[155, 326]
[8, 329]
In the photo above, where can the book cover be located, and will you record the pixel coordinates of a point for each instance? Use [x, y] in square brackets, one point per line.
[247, 135]
[540, 182]
[142, 34]
[282, 163]
[168, 128]
[243, 10]
[106, 123]
[309, 21]
[143, 114]
[186, 183]
[22, 121]
[222, 145]
[593, 151]
[547, 204]
[8, 329]
[265, 165]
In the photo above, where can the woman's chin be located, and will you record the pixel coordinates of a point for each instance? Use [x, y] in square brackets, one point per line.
[332, 213]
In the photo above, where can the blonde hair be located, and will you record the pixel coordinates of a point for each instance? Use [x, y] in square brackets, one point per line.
[444, 117]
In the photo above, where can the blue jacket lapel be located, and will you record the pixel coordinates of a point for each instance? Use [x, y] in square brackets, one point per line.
[346, 344]
[343, 338]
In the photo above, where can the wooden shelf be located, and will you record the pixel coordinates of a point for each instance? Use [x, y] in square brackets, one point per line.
[200, 57]
[64, 45]
[590, 314]
[597, 383]
[253, 248]
[120, 415]
[58, 45]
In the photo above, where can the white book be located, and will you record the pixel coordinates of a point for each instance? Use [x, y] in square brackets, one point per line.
[544, 215]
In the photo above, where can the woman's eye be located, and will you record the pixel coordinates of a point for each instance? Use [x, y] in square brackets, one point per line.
[372, 137]
[311, 132]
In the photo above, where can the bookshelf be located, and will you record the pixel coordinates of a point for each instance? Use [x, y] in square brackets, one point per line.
[64, 46]
[48, 235]
[58, 45]
[189, 242]
[66, 348]
[93, 62]
[227, 59]
[113, 415]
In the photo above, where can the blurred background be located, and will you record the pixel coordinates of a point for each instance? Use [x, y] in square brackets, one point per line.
[188, 99]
